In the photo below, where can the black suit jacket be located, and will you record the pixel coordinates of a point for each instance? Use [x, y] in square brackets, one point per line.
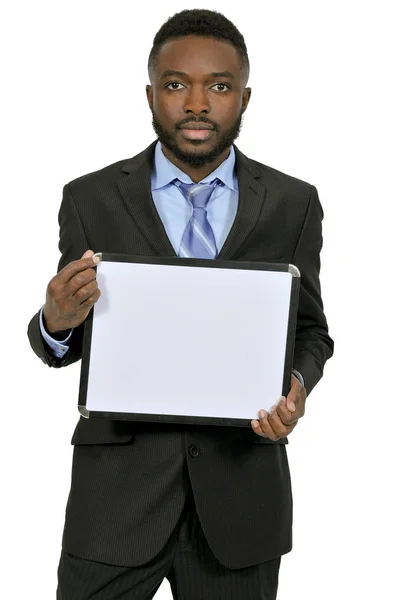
[129, 480]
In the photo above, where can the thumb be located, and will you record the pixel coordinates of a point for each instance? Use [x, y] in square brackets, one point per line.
[88, 253]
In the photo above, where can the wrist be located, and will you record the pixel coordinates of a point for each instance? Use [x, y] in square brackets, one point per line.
[56, 334]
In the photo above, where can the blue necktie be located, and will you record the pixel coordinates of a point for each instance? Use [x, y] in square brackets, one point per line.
[198, 238]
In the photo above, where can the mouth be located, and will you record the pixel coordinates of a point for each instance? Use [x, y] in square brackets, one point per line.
[197, 131]
[196, 134]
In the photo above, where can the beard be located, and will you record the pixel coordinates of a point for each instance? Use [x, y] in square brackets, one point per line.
[197, 158]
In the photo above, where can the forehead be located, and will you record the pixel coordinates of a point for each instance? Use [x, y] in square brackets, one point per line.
[198, 55]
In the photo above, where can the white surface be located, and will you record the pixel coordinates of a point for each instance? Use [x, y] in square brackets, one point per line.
[190, 341]
[323, 109]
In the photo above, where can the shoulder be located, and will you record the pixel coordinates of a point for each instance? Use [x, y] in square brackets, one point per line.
[274, 178]
[281, 181]
[282, 178]
[104, 177]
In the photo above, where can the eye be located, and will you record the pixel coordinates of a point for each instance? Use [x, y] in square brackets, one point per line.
[222, 85]
[174, 84]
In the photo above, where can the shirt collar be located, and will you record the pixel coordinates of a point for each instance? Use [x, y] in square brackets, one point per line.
[164, 171]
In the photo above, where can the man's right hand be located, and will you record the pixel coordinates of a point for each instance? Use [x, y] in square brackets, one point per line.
[71, 294]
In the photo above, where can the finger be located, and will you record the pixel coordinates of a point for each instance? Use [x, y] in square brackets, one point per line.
[259, 431]
[263, 428]
[293, 395]
[85, 292]
[90, 301]
[299, 408]
[75, 267]
[301, 401]
[286, 416]
[279, 428]
[79, 281]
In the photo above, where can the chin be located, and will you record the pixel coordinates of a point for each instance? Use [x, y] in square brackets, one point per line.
[197, 146]
[201, 152]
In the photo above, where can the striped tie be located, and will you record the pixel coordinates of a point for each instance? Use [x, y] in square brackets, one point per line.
[198, 239]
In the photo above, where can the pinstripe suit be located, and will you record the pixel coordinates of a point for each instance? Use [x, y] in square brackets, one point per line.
[130, 480]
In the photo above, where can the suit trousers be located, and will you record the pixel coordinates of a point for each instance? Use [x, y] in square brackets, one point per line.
[186, 561]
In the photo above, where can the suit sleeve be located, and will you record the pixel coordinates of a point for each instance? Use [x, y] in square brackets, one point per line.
[72, 245]
[313, 345]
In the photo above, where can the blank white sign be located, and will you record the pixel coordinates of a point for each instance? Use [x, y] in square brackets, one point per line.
[188, 340]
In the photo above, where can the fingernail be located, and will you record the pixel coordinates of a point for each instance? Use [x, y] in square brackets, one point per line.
[254, 424]
[291, 407]
[261, 414]
[97, 257]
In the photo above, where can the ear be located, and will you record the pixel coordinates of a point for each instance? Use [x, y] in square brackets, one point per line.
[149, 95]
[247, 92]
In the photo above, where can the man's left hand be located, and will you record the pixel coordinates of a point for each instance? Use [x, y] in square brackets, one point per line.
[283, 417]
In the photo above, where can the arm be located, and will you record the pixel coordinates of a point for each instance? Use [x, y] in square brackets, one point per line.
[72, 245]
[60, 346]
[313, 345]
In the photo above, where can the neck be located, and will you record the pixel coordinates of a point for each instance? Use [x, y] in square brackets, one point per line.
[196, 173]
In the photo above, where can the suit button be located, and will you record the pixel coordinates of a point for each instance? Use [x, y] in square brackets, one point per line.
[193, 451]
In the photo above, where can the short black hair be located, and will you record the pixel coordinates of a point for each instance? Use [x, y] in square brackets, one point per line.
[203, 23]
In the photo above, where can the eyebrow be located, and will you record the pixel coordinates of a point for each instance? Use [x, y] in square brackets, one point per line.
[222, 74]
[171, 73]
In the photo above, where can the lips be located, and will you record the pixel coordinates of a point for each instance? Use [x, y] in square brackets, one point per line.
[196, 126]
[197, 131]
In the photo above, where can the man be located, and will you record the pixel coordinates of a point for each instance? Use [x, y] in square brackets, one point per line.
[208, 507]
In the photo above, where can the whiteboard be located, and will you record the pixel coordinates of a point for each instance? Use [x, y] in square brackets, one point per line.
[186, 340]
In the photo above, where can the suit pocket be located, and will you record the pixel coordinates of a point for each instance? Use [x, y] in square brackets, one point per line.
[102, 431]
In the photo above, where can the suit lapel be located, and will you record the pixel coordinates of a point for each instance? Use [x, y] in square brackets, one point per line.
[251, 198]
[135, 188]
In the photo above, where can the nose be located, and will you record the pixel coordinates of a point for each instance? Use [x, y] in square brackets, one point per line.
[197, 100]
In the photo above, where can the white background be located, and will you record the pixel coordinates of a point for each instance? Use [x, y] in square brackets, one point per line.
[323, 109]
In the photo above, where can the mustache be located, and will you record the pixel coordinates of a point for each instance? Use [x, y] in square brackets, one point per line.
[181, 124]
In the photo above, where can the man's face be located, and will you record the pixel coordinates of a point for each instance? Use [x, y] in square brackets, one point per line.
[197, 98]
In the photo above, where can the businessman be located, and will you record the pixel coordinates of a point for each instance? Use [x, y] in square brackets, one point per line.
[207, 507]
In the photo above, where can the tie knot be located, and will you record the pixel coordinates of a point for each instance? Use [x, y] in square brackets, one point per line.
[198, 194]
